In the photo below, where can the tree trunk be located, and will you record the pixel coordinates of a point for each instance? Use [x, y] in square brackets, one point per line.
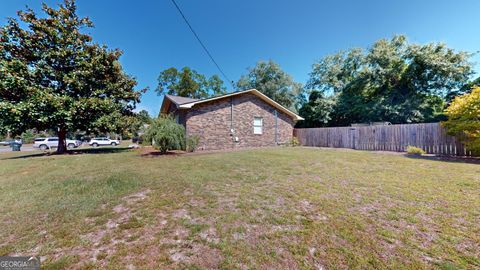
[62, 146]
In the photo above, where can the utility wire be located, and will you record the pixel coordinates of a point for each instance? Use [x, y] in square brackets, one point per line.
[203, 45]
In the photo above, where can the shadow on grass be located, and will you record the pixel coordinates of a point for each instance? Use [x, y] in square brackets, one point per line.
[160, 154]
[455, 159]
[100, 150]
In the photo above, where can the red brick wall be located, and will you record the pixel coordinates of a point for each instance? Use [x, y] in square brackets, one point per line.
[212, 122]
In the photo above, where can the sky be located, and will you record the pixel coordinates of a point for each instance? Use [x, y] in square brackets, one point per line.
[238, 33]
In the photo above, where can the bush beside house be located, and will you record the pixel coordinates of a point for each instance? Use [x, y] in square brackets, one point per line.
[192, 143]
[165, 134]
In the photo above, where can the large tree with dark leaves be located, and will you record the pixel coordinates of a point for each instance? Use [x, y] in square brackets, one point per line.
[317, 111]
[269, 78]
[465, 89]
[393, 80]
[54, 77]
[189, 83]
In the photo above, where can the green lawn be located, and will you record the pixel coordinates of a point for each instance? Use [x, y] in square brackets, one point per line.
[297, 208]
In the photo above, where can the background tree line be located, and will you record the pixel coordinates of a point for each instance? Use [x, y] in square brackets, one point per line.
[393, 80]
[267, 77]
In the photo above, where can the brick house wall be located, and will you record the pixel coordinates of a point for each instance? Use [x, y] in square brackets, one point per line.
[212, 122]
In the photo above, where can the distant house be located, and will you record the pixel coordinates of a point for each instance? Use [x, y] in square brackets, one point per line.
[240, 119]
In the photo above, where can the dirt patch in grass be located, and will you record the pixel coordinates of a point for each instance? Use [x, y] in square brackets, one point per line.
[103, 241]
[195, 254]
[210, 235]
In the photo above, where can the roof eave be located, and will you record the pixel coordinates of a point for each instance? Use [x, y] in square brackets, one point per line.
[186, 106]
[299, 118]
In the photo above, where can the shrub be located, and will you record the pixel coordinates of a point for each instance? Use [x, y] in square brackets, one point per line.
[192, 143]
[464, 119]
[165, 134]
[294, 142]
[28, 136]
[412, 150]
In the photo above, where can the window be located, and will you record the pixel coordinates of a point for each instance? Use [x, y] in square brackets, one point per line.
[257, 125]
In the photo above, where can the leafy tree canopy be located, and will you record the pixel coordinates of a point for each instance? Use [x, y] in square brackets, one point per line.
[189, 83]
[52, 76]
[271, 80]
[464, 118]
[393, 81]
[465, 89]
[135, 124]
[144, 117]
[317, 111]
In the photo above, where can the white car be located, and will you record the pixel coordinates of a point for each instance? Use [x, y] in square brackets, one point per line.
[102, 141]
[52, 142]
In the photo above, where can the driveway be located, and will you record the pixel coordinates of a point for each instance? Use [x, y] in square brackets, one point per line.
[25, 148]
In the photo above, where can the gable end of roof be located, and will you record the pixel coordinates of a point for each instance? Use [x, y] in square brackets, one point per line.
[266, 99]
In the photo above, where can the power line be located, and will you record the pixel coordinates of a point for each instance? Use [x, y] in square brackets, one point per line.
[203, 45]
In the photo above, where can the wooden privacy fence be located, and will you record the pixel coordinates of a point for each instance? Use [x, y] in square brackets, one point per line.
[431, 137]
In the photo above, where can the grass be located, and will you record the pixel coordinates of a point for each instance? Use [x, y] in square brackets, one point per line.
[301, 208]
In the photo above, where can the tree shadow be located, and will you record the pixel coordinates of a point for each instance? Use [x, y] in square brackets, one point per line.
[161, 154]
[100, 150]
[454, 159]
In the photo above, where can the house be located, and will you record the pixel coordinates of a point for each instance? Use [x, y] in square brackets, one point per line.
[240, 119]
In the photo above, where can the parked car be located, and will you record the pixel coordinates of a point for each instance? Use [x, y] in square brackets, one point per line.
[52, 142]
[102, 141]
[9, 142]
